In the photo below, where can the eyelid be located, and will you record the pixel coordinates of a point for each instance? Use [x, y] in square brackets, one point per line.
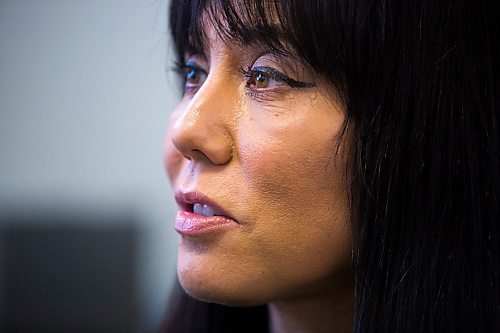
[279, 77]
[191, 64]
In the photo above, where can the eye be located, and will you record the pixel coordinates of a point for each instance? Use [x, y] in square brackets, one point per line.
[194, 76]
[262, 77]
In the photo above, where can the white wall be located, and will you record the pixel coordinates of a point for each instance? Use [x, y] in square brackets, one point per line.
[84, 104]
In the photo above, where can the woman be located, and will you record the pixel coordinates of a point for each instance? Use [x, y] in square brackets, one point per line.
[336, 166]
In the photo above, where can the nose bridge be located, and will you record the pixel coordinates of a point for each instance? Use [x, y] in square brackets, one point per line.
[201, 131]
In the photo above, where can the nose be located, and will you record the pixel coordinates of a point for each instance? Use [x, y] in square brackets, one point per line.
[201, 130]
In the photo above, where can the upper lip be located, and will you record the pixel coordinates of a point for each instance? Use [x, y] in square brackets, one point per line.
[186, 200]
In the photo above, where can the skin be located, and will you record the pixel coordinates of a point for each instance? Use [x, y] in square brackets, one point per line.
[268, 157]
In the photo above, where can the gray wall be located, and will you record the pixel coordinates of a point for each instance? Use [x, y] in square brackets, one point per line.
[84, 103]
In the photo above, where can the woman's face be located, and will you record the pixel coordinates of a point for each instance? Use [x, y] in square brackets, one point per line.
[254, 141]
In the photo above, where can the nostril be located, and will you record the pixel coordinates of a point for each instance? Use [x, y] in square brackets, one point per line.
[198, 154]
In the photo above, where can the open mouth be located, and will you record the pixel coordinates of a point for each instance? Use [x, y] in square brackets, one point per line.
[198, 215]
[205, 210]
[199, 204]
[202, 209]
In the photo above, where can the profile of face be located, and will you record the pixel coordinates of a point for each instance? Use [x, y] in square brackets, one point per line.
[252, 152]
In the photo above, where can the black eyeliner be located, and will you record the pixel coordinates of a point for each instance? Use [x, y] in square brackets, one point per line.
[280, 77]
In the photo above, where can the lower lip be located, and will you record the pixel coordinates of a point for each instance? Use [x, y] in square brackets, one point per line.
[190, 224]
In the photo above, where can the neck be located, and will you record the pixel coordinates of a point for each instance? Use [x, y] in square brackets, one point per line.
[331, 311]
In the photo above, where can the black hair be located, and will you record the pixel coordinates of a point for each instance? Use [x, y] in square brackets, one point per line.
[420, 81]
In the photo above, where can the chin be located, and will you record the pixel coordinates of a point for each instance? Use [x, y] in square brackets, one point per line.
[221, 293]
[207, 281]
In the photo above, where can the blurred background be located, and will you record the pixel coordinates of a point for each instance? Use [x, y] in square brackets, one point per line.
[86, 243]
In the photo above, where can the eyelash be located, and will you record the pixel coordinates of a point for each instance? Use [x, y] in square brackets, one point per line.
[275, 75]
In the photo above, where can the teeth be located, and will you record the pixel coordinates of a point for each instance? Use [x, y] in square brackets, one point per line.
[198, 208]
[208, 211]
[204, 209]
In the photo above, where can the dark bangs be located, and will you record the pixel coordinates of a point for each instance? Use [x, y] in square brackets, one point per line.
[305, 29]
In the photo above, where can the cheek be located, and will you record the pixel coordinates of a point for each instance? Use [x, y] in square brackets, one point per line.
[302, 190]
[293, 161]
[293, 145]
[299, 186]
